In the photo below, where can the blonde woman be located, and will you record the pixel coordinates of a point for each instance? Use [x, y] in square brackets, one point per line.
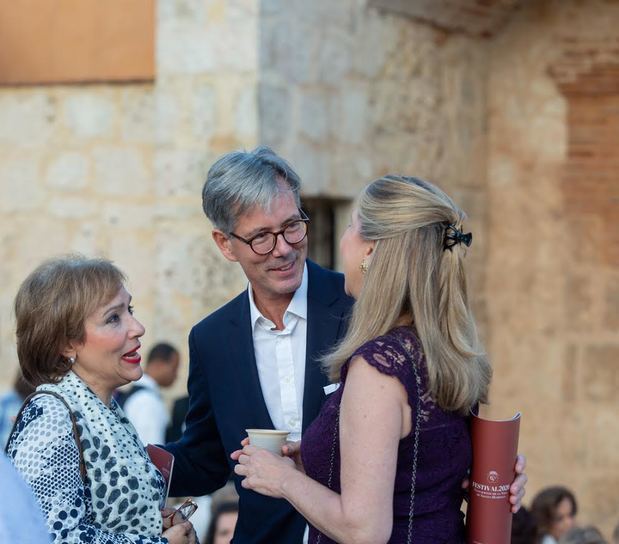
[385, 459]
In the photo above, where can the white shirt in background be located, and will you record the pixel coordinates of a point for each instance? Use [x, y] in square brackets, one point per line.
[21, 519]
[280, 358]
[147, 412]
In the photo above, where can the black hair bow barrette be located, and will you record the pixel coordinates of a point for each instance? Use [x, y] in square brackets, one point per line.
[454, 236]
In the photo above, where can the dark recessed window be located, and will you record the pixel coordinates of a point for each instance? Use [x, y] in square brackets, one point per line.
[326, 216]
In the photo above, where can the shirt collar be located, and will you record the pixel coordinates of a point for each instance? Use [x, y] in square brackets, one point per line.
[148, 382]
[297, 306]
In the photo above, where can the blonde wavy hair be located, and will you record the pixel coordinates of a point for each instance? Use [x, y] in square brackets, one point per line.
[411, 275]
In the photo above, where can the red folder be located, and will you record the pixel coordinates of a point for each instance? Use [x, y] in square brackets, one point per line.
[164, 461]
[495, 446]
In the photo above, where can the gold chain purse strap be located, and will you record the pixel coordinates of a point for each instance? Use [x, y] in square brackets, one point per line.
[411, 509]
[76, 435]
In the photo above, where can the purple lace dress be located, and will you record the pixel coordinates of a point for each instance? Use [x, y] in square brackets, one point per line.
[444, 448]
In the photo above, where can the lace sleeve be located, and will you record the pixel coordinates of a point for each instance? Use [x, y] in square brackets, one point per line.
[396, 354]
[388, 356]
[44, 451]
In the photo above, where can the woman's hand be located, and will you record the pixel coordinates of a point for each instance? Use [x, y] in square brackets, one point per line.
[181, 533]
[293, 451]
[263, 471]
[516, 488]
[166, 516]
[235, 454]
[289, 449]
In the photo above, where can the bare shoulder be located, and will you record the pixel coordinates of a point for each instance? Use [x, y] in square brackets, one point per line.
[365, 377]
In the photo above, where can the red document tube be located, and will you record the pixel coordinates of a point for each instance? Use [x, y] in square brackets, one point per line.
[495, 446]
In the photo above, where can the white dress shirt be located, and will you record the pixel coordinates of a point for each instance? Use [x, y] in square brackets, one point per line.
[147, 412]
[280, 358]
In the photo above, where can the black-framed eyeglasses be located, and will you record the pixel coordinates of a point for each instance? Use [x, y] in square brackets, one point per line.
[264, 242]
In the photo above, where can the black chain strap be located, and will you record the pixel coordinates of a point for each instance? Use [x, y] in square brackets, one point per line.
[332, 457]
[411, 510]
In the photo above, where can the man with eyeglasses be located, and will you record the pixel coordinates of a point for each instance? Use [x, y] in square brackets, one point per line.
[254, 363]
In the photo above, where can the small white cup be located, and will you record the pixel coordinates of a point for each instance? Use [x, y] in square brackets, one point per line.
[268, 439]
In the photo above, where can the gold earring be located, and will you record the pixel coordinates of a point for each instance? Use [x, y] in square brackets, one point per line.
[364, 266]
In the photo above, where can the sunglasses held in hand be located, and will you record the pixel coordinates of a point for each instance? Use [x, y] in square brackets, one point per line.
[183, 512]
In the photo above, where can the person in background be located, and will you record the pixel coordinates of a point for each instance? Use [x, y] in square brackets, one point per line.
[523, 527]
[554, 510]
[144, 405]
[77, 341]
[177, 423]
[385, 459]
[21, 520]
[10, 403]
[223, 522]
[583, 535]
[616, 535]
[224, 512]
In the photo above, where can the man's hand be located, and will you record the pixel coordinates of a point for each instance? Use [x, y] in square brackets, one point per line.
[235, 454]
[293, 450]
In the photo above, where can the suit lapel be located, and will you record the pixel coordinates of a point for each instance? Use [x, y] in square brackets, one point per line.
[246, 373]
[324, 319]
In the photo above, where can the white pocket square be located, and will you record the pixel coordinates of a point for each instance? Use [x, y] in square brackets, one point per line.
[331, 388]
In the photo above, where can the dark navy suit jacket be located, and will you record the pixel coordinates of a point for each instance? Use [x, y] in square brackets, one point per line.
[225, 398]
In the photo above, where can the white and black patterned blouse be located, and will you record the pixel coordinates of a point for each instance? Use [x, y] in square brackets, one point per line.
[123, 494]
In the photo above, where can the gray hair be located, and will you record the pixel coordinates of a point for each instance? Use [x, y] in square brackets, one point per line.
[241, 180]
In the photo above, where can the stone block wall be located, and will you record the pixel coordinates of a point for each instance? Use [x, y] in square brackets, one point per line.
[552, 270]
[344, 91]
[520, 129]
[473, 17]
[116, 170]
[348, 93]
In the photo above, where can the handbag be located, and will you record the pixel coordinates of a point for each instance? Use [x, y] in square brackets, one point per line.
[76, 435]
[416, 430]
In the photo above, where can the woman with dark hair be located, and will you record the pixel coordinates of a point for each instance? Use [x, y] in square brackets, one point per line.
[223, 521]
[77, 341]
[554, 511]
